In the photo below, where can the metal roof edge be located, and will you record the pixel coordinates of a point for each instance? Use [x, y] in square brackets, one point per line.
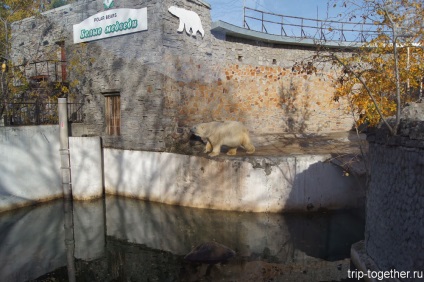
[236, 31]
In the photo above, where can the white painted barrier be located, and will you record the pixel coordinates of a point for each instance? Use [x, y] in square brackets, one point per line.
[253, 184]
[86, 167]
[29, 166]
[30, 172]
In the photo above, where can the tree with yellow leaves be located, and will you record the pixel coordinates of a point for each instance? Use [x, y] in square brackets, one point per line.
[42, 72]
[11, 11]
[387, 72]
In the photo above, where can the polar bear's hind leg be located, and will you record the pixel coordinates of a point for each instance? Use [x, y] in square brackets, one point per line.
[250, 149]
[247, 145]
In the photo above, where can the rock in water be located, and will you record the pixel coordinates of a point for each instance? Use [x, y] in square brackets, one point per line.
[210, 253]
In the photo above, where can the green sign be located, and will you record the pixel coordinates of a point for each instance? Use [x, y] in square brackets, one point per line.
[108, 4]
[110, 23]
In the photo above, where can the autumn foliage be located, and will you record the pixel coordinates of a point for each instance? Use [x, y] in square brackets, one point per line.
[375, 67]
[387, 72]
[43, 72]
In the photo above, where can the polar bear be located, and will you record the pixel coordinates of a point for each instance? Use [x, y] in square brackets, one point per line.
[188, 20]
[232, 134]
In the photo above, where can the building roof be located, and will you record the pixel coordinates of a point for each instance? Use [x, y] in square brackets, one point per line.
[240, 32]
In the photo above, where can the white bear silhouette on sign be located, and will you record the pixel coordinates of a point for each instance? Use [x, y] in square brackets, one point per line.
[189, 20]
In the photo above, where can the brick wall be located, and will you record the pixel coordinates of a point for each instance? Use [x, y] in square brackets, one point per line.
[169, 80]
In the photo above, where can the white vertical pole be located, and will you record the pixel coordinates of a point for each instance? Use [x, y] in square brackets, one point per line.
[407, 69]
[64, 148]
[66, 186]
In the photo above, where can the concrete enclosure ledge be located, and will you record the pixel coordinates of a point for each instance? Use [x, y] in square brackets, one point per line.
[263, 182]
[249, 184]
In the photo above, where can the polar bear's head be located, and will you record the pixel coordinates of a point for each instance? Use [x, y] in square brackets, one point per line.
[200, 130]
[174, 10]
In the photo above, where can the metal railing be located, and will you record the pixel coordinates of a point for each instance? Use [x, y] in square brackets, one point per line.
[46, 70]
[37, 113]
[298, 27]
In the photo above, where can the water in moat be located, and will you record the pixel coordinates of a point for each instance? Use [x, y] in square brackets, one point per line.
[119, 239]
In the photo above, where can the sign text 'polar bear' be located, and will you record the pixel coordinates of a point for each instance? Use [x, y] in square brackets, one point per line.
[110, 23]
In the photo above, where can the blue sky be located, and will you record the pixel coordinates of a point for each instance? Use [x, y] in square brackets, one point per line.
[231, 11]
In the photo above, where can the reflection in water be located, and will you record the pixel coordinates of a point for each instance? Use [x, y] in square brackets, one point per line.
[121, 239]
[69, 237]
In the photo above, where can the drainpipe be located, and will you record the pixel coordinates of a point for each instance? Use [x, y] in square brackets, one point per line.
[62, 60]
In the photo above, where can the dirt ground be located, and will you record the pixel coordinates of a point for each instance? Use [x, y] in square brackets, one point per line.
[336, 143]
[344, 148]
[339, 143]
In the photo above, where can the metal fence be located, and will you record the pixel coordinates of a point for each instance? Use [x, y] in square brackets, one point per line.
[36, 113]
[298, 27]
[46, 70]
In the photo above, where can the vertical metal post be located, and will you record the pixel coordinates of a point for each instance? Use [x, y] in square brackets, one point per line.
[67, 187]
[262, 21]
[64, 148]
[408, 89]
[62, 60]
[244, 13]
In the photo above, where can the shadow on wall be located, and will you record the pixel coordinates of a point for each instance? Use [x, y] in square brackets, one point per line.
[144, 122]
[196, 99]
[267, 99]
[253, 183]
[322, 185]
[170, 178]
[295, 106]
[30, 166]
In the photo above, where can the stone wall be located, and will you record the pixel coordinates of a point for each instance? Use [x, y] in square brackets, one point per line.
[224, 78]
[169, 80]
[126, 64]
[395, 200]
